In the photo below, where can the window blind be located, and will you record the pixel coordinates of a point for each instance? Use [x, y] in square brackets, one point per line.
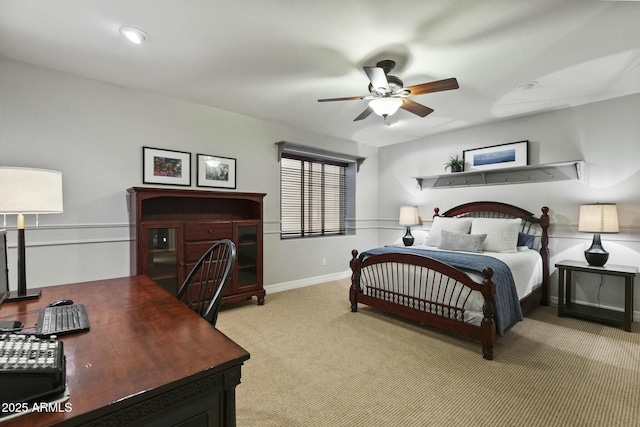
[313, 197]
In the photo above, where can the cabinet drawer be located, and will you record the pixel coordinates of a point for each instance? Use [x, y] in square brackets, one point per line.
[208, 230]
[193, 252]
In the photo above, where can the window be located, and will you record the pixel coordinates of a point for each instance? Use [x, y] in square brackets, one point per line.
[312, 196]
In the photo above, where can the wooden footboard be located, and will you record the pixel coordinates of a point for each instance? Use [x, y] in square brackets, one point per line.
[424, 290]
[436, 295]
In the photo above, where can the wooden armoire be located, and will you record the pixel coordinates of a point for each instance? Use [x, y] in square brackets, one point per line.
[171, 228]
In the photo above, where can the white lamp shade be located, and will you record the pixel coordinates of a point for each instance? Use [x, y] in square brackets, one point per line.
[409, 215]
[598, 218]
[26, 190]
[385, 106]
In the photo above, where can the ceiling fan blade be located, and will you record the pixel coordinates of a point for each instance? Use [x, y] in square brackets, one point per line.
[415, 108]
[348, 98]
[437, 86]
[378, 79]
[364, 114]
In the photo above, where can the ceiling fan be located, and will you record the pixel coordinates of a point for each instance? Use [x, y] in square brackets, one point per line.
[388, 94]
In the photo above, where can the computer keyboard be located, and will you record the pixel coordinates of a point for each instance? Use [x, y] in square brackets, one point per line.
[60, 320]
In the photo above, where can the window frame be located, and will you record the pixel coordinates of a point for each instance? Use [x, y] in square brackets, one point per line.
[306, 188]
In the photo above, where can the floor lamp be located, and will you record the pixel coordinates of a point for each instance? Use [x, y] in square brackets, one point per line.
[28, 191]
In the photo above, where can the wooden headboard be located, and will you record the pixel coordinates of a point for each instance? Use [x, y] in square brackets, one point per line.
[530, 225]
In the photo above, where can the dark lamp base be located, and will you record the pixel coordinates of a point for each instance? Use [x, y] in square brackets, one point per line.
[596, 259]
[596, 255]
[408, 238]
[29, 294]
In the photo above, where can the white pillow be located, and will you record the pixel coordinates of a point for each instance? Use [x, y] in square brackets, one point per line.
[456, 225]
[502, 233]
[419, 235]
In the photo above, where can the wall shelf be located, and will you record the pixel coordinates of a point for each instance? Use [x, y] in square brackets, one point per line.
[517, 175]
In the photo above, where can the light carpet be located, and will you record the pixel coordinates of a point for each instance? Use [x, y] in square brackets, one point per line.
[315, 363]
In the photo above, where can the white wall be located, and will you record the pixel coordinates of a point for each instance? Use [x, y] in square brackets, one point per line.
[94, 133]
[606, 135]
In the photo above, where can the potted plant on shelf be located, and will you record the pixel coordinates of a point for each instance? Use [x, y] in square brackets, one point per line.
[455, 163]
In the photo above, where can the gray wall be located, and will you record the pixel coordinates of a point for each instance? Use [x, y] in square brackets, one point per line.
[94, 133]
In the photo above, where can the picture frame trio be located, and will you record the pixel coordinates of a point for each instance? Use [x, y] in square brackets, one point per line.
[171, 167]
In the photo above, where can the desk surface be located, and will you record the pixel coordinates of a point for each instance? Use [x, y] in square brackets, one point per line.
[141, 340]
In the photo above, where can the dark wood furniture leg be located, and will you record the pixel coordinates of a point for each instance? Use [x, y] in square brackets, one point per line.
[561, 287]
[628, 303]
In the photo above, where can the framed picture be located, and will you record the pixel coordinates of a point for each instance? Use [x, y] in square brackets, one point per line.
[216, 171]
[166, 167]
[497, 156]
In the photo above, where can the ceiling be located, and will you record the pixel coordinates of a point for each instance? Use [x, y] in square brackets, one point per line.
[273, 59]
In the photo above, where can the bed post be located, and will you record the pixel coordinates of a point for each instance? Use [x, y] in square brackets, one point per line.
[355, 281]
[544, 253]
[487, 326]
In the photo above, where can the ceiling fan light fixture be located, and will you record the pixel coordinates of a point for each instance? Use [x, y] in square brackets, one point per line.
[134, 35]
[385, 106]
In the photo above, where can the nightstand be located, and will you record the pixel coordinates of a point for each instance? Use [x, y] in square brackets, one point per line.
[566, 307]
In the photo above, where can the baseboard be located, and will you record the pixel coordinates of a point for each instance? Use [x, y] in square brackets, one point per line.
[279, 287]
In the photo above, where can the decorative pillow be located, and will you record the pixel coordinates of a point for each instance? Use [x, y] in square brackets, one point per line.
[419, 236]
[452, 241]
[457, 225]
[502, 233]
[527, 240]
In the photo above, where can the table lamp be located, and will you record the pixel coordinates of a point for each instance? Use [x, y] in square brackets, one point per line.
[28, 191]
[409, 216]
[598, 218]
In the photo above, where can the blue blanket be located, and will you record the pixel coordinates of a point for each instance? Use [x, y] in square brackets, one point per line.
[507, 304]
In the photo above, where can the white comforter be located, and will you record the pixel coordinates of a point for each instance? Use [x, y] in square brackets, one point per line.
[525, 265]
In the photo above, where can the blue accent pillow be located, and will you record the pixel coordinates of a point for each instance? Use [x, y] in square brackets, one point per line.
[525, 239]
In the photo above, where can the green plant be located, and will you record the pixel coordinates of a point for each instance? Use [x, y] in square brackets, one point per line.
[455, 163]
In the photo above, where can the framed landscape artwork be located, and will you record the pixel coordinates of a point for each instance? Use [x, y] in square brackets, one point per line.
[216, 171]
[497, 156]
[166, 167]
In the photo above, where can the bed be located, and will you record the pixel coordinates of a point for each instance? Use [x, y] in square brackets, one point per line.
[467, 277]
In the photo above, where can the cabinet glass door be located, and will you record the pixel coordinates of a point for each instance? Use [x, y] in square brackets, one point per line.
[162, 265]
[247, 253]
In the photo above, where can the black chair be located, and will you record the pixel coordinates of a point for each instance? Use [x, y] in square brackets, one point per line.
[204, 287]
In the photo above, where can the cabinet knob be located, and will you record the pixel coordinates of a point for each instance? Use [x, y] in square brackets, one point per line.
[210, 231]
[181, 263]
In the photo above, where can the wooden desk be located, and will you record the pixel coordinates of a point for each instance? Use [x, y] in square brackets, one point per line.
[147, 360]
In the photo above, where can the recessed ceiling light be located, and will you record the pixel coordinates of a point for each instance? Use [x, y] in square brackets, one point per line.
[528, 85]
[134, 35]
